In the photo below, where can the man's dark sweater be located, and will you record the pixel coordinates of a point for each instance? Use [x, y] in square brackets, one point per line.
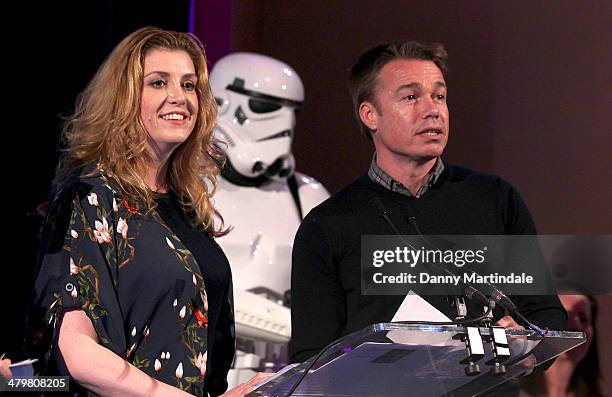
[326, 287]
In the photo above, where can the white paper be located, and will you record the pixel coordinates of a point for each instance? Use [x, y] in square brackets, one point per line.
[415, 308]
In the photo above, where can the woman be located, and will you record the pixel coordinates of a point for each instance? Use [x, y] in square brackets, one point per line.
[575, 373]
[132, 294]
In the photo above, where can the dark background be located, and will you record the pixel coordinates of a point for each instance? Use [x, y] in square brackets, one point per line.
[529, 94]
[51, 59]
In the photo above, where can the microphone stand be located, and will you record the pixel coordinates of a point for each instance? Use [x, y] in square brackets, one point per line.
[473, 337]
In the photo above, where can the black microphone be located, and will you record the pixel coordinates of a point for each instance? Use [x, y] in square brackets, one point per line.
[472, 292]
[496, 294]
[468, 290]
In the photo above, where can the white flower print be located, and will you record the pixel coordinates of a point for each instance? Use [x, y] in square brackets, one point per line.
[145, 332]
[134, 331]
[200, 362]
[115, 208]
[93, 199]
[195, 282]
[101, 233]
[179, 371]
[204, 298]
[175, 303]
[122, 227]
[182, 312]
[73, 293]
[73, 268]
[157, 365]
[163, 355]
[74, 233]
[169, 243]
[131, 349]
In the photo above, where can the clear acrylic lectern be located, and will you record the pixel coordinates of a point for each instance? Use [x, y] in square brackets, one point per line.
[394, 359]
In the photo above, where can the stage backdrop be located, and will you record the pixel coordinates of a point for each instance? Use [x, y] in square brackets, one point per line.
[529, 92]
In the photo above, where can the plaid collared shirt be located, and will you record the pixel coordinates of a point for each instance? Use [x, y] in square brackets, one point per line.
[379, 176]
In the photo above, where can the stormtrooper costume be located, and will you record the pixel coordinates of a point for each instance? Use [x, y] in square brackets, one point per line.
[259, 194]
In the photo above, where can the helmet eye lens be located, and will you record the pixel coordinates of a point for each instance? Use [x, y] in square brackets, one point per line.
[263, 106]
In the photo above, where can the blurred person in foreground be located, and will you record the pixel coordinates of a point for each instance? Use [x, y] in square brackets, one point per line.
[575, 373]
[5, 370]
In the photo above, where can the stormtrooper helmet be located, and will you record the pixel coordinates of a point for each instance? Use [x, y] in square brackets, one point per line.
[258, 97]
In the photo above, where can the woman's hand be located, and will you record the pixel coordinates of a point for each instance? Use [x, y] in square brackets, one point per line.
[245, 388]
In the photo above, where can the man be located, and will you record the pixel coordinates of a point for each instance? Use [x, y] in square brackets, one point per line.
[399, 95]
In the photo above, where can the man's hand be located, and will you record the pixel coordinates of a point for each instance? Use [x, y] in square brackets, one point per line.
[508, 323]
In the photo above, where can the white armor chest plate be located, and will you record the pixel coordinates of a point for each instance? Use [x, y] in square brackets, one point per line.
[264, 222]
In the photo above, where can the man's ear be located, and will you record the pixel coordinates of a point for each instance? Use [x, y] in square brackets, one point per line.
[368, 115]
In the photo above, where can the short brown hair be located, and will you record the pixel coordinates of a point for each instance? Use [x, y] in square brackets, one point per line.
[364, 74]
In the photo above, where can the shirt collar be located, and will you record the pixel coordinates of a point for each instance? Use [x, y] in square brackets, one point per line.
[379, 176]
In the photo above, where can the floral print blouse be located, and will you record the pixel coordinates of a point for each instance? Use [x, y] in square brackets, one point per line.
[139, 285]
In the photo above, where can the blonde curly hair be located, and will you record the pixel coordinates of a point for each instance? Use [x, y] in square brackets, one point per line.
[105, 132]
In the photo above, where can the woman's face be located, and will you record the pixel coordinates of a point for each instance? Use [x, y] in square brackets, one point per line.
[169, 103]
[578, 309]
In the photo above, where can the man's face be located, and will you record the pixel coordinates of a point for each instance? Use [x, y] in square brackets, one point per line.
[409, 117]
